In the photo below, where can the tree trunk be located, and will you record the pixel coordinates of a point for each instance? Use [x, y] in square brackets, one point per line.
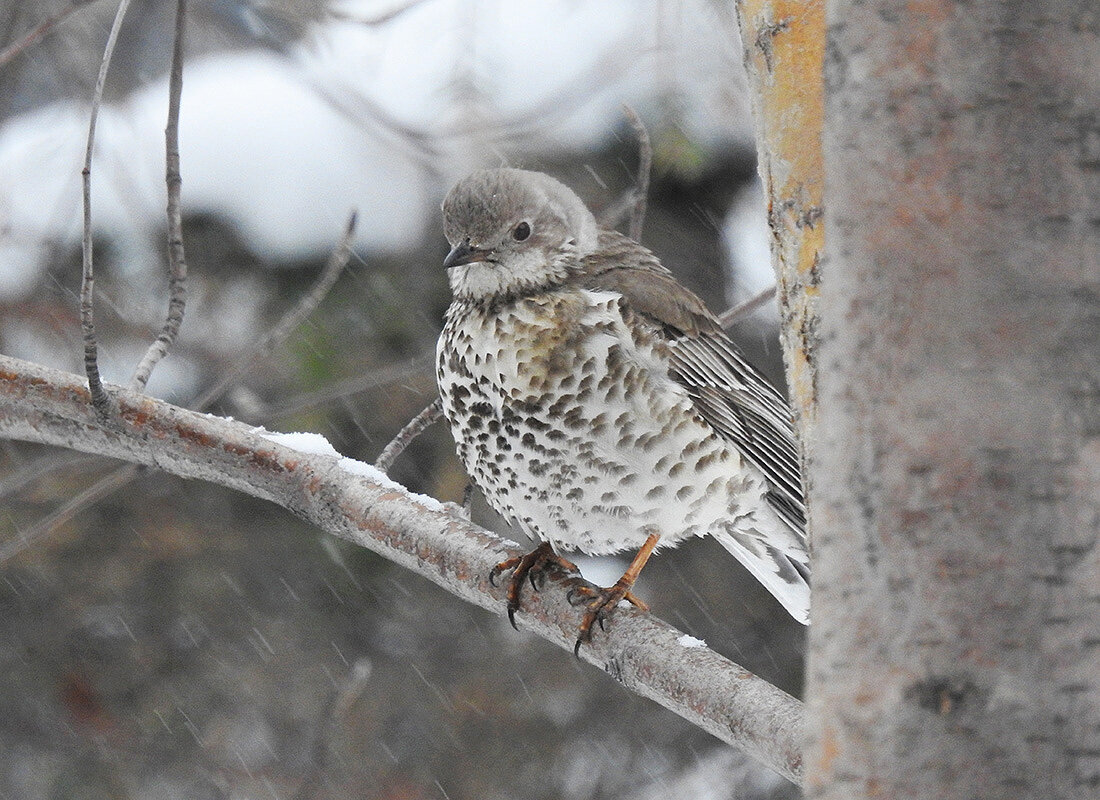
[955, 465]
[783, 44]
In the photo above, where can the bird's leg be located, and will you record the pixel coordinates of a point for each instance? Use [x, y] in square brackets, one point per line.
[601, 602]
[531, 566]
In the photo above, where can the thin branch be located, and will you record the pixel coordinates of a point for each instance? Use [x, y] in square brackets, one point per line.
[631, 204]
[97, 396]
[177, 262]
[645, 166]
[731, 315]
[426, 147]
[355, 502]
[343, 698]
[383, 376]
[116, 479]
[613, 215]
[413, 428]
[351, 103]
[45, 466]
[290, 321]
[39, 31]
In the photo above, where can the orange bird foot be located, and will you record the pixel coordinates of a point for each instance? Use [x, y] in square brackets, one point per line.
[599, 603]
[532, 567]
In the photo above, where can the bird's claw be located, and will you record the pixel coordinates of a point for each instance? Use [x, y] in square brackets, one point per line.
[601, 604]
[537, 579]
[531, 567]
[503, 567]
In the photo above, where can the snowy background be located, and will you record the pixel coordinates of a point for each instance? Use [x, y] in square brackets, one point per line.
[172, 640]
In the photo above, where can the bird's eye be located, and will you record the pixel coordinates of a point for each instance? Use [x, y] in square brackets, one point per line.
[522, 231]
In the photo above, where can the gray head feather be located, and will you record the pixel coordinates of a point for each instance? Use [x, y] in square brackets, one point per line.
[482, 216]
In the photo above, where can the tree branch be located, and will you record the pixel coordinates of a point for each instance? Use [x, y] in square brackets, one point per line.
[40, 31]
[290, 321]
[343, 698]
[645, 167]
[734, 313]
[431, 414]
[97, 397]
[417, 366]
[117, 478]
[356, 502]
[177, 262]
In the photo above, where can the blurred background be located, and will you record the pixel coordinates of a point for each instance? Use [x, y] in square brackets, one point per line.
[161, 638]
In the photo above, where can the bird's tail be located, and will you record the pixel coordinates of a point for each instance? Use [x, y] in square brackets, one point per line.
[776, 559]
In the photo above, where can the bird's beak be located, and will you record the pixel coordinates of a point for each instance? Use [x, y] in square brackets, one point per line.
[462, 253]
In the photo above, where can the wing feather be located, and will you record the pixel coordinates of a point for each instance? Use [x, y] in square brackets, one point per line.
[728, 392]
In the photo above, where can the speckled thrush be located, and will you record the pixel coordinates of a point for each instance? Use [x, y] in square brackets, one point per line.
[598, 404]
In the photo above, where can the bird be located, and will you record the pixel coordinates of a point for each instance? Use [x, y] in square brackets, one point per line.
[598, 404]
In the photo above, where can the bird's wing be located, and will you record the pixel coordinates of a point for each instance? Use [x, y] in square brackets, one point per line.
[728, 392]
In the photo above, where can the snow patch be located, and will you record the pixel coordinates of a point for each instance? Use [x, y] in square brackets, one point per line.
[375, 475]
[690, 642]
[316, 444]
[303, 442]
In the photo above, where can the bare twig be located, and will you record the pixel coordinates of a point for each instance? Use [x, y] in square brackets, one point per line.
[619, 60]
[116, 479]
[97, 396]
[413, 428]
[731, 315]
[614, 214]
[290, 321]
[343, 698]
[40, 31]
[426, 146]
[644, 654]
[349, 102]
[645, 166]
[383, 376]
[631, 204]
[177, 262]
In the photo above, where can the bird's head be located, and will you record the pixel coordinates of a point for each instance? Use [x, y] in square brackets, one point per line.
[513, 232]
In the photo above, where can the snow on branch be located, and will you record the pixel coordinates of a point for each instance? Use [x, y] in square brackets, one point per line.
[358, 503]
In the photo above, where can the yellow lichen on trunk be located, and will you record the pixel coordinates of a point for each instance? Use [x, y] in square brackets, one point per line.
[784, 49]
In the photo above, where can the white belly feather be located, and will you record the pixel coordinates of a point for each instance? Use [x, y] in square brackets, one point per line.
[583, 439]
